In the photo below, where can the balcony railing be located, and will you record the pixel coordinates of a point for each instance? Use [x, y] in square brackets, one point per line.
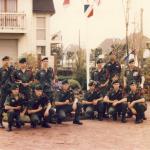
[12, 22]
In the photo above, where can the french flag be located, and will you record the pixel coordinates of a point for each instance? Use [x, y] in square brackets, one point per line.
[66, 2]
[88, 10]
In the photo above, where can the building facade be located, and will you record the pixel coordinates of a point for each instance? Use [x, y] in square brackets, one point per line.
[25, 27]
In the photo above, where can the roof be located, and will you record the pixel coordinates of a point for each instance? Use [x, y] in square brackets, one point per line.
[43, 6]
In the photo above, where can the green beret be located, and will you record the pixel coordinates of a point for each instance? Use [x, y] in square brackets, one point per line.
[99, 61]
[45, 58]
[5, 58]
[14, 86]
[131, 61]
[38, 87]
[22, 60]
[65, 82]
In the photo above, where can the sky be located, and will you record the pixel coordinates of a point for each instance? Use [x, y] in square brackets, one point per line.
[108, 21]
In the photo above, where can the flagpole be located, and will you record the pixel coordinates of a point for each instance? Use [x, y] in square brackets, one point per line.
[87, 54]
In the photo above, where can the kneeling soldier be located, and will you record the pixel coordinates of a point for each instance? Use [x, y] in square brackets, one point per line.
[65, 103]
[93, 102]
[117, 104]
[13, 106]
[136, 102]
[39, 108]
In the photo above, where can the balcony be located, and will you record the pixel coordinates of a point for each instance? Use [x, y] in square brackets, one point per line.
[12, 23]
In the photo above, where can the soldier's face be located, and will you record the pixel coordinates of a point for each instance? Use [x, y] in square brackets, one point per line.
[116, 85]
[112, 57]
[133, 87]
[131, 65]
[92, 88]
[99, 65]
[23, 65]
[15, 91]
[115, 78]
[45, 63]
[6, 62]
[65, 87]
[38, 92]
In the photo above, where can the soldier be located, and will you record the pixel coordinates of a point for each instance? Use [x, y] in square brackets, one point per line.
[24, 77]
[113, 66]
[13, 105]
[117, 104]
[39, 108]
[133, 73]
[101, 76]
[5, 84]
[45, 76]
[93, 102]
[136, 102]
[65, 103]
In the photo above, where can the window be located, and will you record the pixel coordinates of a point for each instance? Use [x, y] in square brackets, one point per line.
[2, 6]
[8, 5]
[41, 28]
[41, 50]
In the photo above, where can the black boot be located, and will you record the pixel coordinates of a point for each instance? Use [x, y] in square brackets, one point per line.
[123, 119]
[46, 125]
[144, 117]
[77, 122]
[33, 125]
[114, 117]
[138, 119]
[129, 114]
[100, 117]
[59, 121]
[18, 125]
[9, 128]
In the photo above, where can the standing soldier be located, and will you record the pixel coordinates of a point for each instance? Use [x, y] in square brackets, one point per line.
[13, 105]
[133, 73]
[39, 108]
[101, 76]
[117, 104]
[113, 66]
[93, 102]
[136, 102]
[45, 76]
[5, 84]
[66, 103]
[24, 77]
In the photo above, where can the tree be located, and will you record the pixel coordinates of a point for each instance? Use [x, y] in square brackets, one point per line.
[80, 67]
[31, 60]
[120, 50]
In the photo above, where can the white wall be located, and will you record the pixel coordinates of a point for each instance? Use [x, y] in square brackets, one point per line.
[45, 42]
[26, 42]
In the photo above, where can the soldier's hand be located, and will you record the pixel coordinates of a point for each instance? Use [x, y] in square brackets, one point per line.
[141, 86]
[67, 102]
[25, 84]
[131, 105]
[83, 102]
[125, 85]
[18, 107]
[94, 102]
[11, 110]
[21, 114]
[46, 113]
[19, 81]
[115, 103]
[40, 108]
[102, 85]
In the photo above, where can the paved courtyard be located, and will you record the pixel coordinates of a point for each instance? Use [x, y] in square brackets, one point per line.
[93, 135]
